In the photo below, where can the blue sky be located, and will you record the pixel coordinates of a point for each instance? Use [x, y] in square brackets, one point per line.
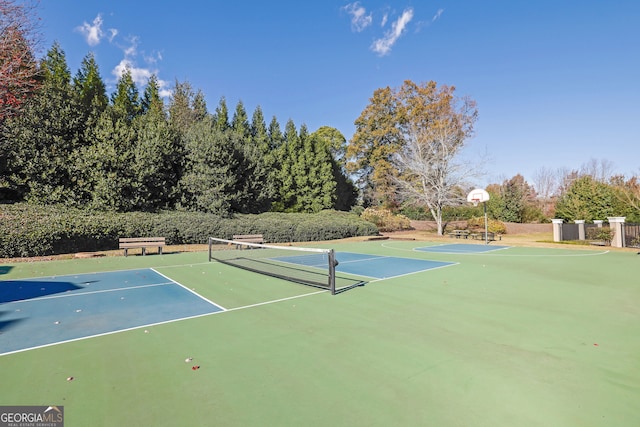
[556, 82]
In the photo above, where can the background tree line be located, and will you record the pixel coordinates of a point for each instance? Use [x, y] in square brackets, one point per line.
[64, 141]
[589, 193]
[72, 144]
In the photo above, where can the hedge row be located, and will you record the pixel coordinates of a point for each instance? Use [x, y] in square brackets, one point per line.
[27, 230]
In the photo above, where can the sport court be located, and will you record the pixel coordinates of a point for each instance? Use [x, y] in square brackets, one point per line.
[52, 310]
[462, 248]
[369, 266]
[524, 336]
[43, 311]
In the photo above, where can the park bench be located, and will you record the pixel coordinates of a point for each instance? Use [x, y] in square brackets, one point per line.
[248, 238]
[127, 243]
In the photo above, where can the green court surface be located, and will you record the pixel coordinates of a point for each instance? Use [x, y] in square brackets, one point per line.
[514, 337]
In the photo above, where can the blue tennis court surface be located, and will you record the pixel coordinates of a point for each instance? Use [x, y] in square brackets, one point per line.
[461, 248]
[38, 312]
[370, 266]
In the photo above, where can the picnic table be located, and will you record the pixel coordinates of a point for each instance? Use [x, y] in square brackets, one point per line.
[490, 236]
[459, 234]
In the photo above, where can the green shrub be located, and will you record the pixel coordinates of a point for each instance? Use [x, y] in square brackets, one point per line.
[386, 220]
[603, 234]
[27, 230]
[493, 225]
[416, 213]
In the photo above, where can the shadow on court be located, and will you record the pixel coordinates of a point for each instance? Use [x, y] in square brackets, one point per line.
[7, 324]
[5, 269]
[19, 290]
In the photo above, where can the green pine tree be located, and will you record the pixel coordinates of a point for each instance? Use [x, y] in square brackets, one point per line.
[46, 136]
[126, 99]
[209, 181]
[90, 91]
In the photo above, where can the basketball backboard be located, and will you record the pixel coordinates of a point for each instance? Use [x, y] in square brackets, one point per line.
[477, 195]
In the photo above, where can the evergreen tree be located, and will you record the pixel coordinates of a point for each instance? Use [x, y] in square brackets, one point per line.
[286, 155]
[256, 190]
[221, 115]
[240, 121]
[155, 162]
[587, 199]
[199, 106]
[258, 129]
[109, 177]
[90, 91]
[209, 182]
[313, 171]
[151, 100]
[276, 138]
[46, 136]
[305, 175]
[126, 99]
[336, 142]
[181, 115]
[346, 191]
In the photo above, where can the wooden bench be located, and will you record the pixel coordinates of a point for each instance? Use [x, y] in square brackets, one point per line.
[249, 238]
[127, 243]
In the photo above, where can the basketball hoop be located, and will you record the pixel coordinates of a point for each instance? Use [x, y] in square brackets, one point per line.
[478, 196]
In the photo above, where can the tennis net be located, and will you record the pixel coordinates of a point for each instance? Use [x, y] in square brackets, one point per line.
[307, 266]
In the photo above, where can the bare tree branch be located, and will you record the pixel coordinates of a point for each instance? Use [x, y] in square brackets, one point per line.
[431, 171]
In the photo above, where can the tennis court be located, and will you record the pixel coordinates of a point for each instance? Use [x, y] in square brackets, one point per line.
[519, 336]
[374, 267]
[51, 310]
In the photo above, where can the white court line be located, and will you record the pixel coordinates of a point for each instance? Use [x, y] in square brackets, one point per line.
[190, 290]
[451, 264]
[493, 252]
[54, 276]
[373, 258]
[276, 300]
[161, 323]
[79, 294]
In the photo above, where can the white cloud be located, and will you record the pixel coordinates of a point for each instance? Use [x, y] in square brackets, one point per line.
[92, 32]
[140, 76]
[112, 34]
[359, 17]
[385, 18]
[153, 58]
[437, 15]
[132, 49]
[383, 45]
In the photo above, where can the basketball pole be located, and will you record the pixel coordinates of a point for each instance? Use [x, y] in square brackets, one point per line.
[486, 224]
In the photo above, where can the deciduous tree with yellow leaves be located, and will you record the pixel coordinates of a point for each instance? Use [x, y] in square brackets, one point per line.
[407, 147]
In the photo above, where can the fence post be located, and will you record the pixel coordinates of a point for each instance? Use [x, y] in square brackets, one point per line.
[598, 222]
[557, 229]
[617, 226]
[580, 223]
